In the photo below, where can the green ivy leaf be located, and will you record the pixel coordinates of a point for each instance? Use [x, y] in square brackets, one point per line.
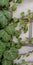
[8, 14]
[14, 7]
[5, 17]
[6, 62]
[3, 20]
[14, 1]
[19, 1]
[2, 48]
[10, 29]
[4, 3]
[22, 23]
[11, 54]
[4, 36]
[25, 29]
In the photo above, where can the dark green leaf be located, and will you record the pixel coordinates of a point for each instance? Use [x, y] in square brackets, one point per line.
[3, 20]
[4, 36]
[8, 14]
[4, 3]
[2, 48]
[10, 29]
[6, 62]
[11, 54]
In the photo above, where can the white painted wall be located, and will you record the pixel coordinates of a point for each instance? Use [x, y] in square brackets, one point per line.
[24, 6]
